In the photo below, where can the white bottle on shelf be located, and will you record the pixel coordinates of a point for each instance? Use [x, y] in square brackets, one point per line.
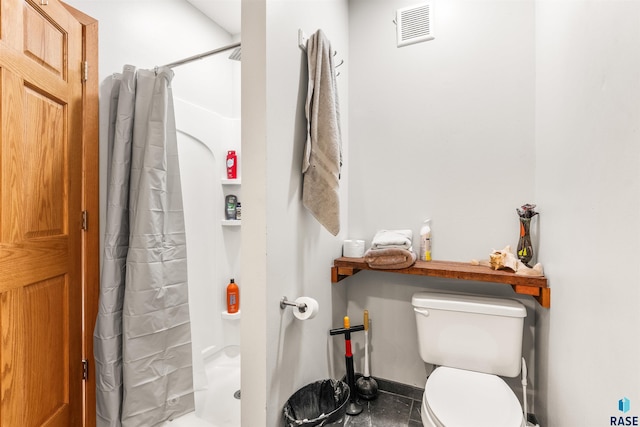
[425, 241]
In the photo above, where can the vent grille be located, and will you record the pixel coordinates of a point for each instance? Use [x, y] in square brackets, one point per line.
[414, 24]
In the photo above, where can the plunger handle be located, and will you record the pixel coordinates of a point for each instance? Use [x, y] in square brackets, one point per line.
[353, 408]
[366, 343]
[347, 338]
[339, 331]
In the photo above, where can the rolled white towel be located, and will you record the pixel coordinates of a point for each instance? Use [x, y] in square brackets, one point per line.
[392, 239]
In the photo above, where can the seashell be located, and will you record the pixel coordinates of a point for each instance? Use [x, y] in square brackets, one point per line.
[505, 259]
[502, 259]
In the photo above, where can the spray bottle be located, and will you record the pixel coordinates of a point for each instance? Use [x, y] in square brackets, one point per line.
[425, 241]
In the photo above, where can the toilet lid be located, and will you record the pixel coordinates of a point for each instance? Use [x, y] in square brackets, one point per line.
[466, 398]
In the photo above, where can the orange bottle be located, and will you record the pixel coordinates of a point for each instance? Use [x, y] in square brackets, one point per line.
[233, 297]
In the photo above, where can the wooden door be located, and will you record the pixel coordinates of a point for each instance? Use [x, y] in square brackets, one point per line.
[41, 185]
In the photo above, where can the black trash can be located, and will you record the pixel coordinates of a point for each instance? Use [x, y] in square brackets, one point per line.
[322, 403]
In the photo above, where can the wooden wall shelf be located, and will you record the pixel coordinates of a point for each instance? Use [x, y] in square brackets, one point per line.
[537, 287]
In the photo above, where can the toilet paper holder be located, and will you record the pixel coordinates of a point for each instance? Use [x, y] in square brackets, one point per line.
[284, 302]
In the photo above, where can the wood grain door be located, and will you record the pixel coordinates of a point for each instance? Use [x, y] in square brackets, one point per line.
[40, 215]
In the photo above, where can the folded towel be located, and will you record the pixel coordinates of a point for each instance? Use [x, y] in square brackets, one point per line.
[390, 258]
[323, 150]
[392, 239]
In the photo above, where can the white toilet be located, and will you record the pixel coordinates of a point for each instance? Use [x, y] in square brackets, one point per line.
[471, 340]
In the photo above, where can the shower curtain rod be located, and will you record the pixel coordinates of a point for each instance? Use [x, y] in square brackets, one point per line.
[202, 55]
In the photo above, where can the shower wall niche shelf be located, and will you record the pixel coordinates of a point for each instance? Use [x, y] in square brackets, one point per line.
[537, 287]
[229, 184]
[230, 316]
[226, 181]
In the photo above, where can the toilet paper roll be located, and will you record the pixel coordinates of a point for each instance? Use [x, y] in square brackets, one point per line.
[353, 248]
[310, 312]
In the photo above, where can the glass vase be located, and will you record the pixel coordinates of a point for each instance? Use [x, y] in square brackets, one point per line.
[525, 248]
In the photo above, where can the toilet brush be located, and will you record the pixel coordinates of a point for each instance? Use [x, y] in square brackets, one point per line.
[367, 387]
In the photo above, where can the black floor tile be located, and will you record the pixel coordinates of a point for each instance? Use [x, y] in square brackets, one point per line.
[401, 389]
[415, 411]
[395, 408]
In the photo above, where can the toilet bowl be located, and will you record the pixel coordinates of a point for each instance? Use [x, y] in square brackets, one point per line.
[458, 398]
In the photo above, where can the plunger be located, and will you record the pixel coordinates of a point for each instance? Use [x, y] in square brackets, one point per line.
[367, 386]
[353, 408]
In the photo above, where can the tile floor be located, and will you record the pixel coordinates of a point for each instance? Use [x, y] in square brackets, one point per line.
[397, 405]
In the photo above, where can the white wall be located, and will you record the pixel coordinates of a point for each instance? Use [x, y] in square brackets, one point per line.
[285, 252]
[441, 129]
[588, 182]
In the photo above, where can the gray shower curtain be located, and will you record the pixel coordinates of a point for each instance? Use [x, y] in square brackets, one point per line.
[142, 337]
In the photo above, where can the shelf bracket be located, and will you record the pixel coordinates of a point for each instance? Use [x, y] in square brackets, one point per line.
[339, 273]
[542, 295]
[544, 298]
[526, 290]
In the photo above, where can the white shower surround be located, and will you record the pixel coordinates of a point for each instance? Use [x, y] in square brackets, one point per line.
[204, 136]
[213, 251]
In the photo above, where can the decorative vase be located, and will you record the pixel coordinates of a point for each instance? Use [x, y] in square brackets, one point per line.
[525, 248]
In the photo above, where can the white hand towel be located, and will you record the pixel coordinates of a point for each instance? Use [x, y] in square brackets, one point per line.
[392, 239]
[322, 155]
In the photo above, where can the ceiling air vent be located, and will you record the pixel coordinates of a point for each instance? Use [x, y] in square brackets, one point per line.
[414, 24]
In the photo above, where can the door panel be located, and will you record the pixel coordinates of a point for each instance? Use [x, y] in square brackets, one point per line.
[43, 192]
[45, 322]
[40, 215]
[43, 42]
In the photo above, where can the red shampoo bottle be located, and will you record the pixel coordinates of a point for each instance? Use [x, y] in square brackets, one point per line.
[232, 164]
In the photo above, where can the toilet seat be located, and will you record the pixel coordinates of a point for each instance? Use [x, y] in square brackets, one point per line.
[458, 398]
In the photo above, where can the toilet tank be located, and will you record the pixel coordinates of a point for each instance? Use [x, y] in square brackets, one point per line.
[476, 333]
